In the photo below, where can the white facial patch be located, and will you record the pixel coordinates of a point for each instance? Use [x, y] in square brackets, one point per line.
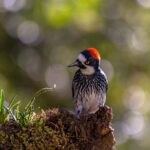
[89, 69]
[81, 58]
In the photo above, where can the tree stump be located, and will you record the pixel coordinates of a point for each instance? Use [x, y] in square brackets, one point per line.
[61, 130]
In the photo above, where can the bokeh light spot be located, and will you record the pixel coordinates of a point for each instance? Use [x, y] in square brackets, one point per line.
[29, 32]
[137, 41]
[29, 60]
[133, 125]
[108, 68]
[134, 98]
[14, 5]
[144, 3]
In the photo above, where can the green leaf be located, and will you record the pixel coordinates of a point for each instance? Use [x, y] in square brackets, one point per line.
[1, 101]
[11, 102]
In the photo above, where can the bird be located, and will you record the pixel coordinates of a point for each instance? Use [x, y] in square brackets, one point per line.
[90, 84]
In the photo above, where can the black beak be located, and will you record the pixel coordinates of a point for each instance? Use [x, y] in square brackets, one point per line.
[75, 63]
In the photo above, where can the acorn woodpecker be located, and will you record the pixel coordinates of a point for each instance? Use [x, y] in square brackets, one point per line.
[90, 83]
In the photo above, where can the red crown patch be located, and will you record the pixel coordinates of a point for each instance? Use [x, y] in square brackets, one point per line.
[94, 52]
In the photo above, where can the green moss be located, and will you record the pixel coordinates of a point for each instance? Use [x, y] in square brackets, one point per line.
[59, 130]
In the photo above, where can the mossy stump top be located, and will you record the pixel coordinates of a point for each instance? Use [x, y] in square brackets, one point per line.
[61, 130]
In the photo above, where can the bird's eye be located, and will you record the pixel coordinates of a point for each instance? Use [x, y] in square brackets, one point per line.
[87, 62]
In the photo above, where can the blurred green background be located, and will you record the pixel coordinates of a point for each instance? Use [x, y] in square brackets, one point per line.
[38, 39]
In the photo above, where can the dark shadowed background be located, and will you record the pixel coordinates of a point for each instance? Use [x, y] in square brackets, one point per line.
[38, 39]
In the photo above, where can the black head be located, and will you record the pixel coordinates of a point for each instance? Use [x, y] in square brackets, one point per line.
[88, 61]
